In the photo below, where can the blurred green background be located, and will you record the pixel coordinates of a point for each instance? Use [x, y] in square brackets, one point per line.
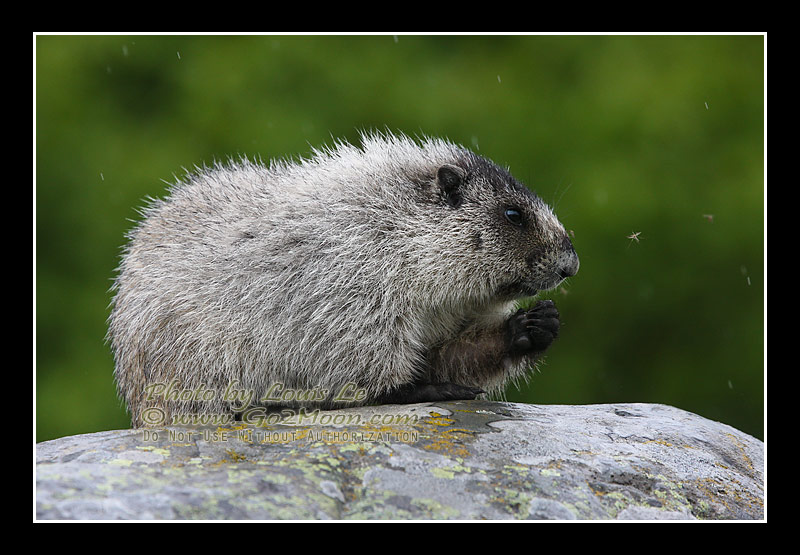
[659, 135]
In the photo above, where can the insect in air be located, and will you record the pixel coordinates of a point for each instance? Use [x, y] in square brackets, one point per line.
[633, 237]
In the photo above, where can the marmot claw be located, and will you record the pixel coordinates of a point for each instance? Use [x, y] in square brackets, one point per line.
[533, 330]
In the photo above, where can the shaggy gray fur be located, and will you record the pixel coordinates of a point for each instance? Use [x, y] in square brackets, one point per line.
[388, 266]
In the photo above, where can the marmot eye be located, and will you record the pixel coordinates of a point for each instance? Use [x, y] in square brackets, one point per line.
[514, 216]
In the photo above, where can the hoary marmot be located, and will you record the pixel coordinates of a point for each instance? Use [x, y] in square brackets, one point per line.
[385, 273]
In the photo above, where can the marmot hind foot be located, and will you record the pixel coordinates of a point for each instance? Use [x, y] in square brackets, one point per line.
[428, 392]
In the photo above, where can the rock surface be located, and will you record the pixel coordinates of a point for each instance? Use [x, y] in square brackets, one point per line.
[455, 460]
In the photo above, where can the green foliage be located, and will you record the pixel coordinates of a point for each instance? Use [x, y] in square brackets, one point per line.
[623, 134]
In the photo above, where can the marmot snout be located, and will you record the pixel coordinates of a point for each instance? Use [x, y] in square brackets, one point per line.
[391, 269]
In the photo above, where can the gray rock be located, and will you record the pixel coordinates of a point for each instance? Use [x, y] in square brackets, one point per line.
[457, 460]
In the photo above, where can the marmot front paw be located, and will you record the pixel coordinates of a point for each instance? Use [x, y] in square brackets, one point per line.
[533, 330]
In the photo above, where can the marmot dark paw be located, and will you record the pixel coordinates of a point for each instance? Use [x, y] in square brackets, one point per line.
[533, 330]
[426, 392]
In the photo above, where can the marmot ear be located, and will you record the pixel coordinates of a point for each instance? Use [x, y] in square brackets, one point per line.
[449, 179]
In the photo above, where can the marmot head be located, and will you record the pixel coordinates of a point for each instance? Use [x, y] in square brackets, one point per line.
[505, 235]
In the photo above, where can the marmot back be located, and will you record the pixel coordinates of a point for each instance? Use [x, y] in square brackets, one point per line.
[385, 273]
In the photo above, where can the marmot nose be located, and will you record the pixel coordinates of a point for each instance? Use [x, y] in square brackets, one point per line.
[568, 262]
[569, 266]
